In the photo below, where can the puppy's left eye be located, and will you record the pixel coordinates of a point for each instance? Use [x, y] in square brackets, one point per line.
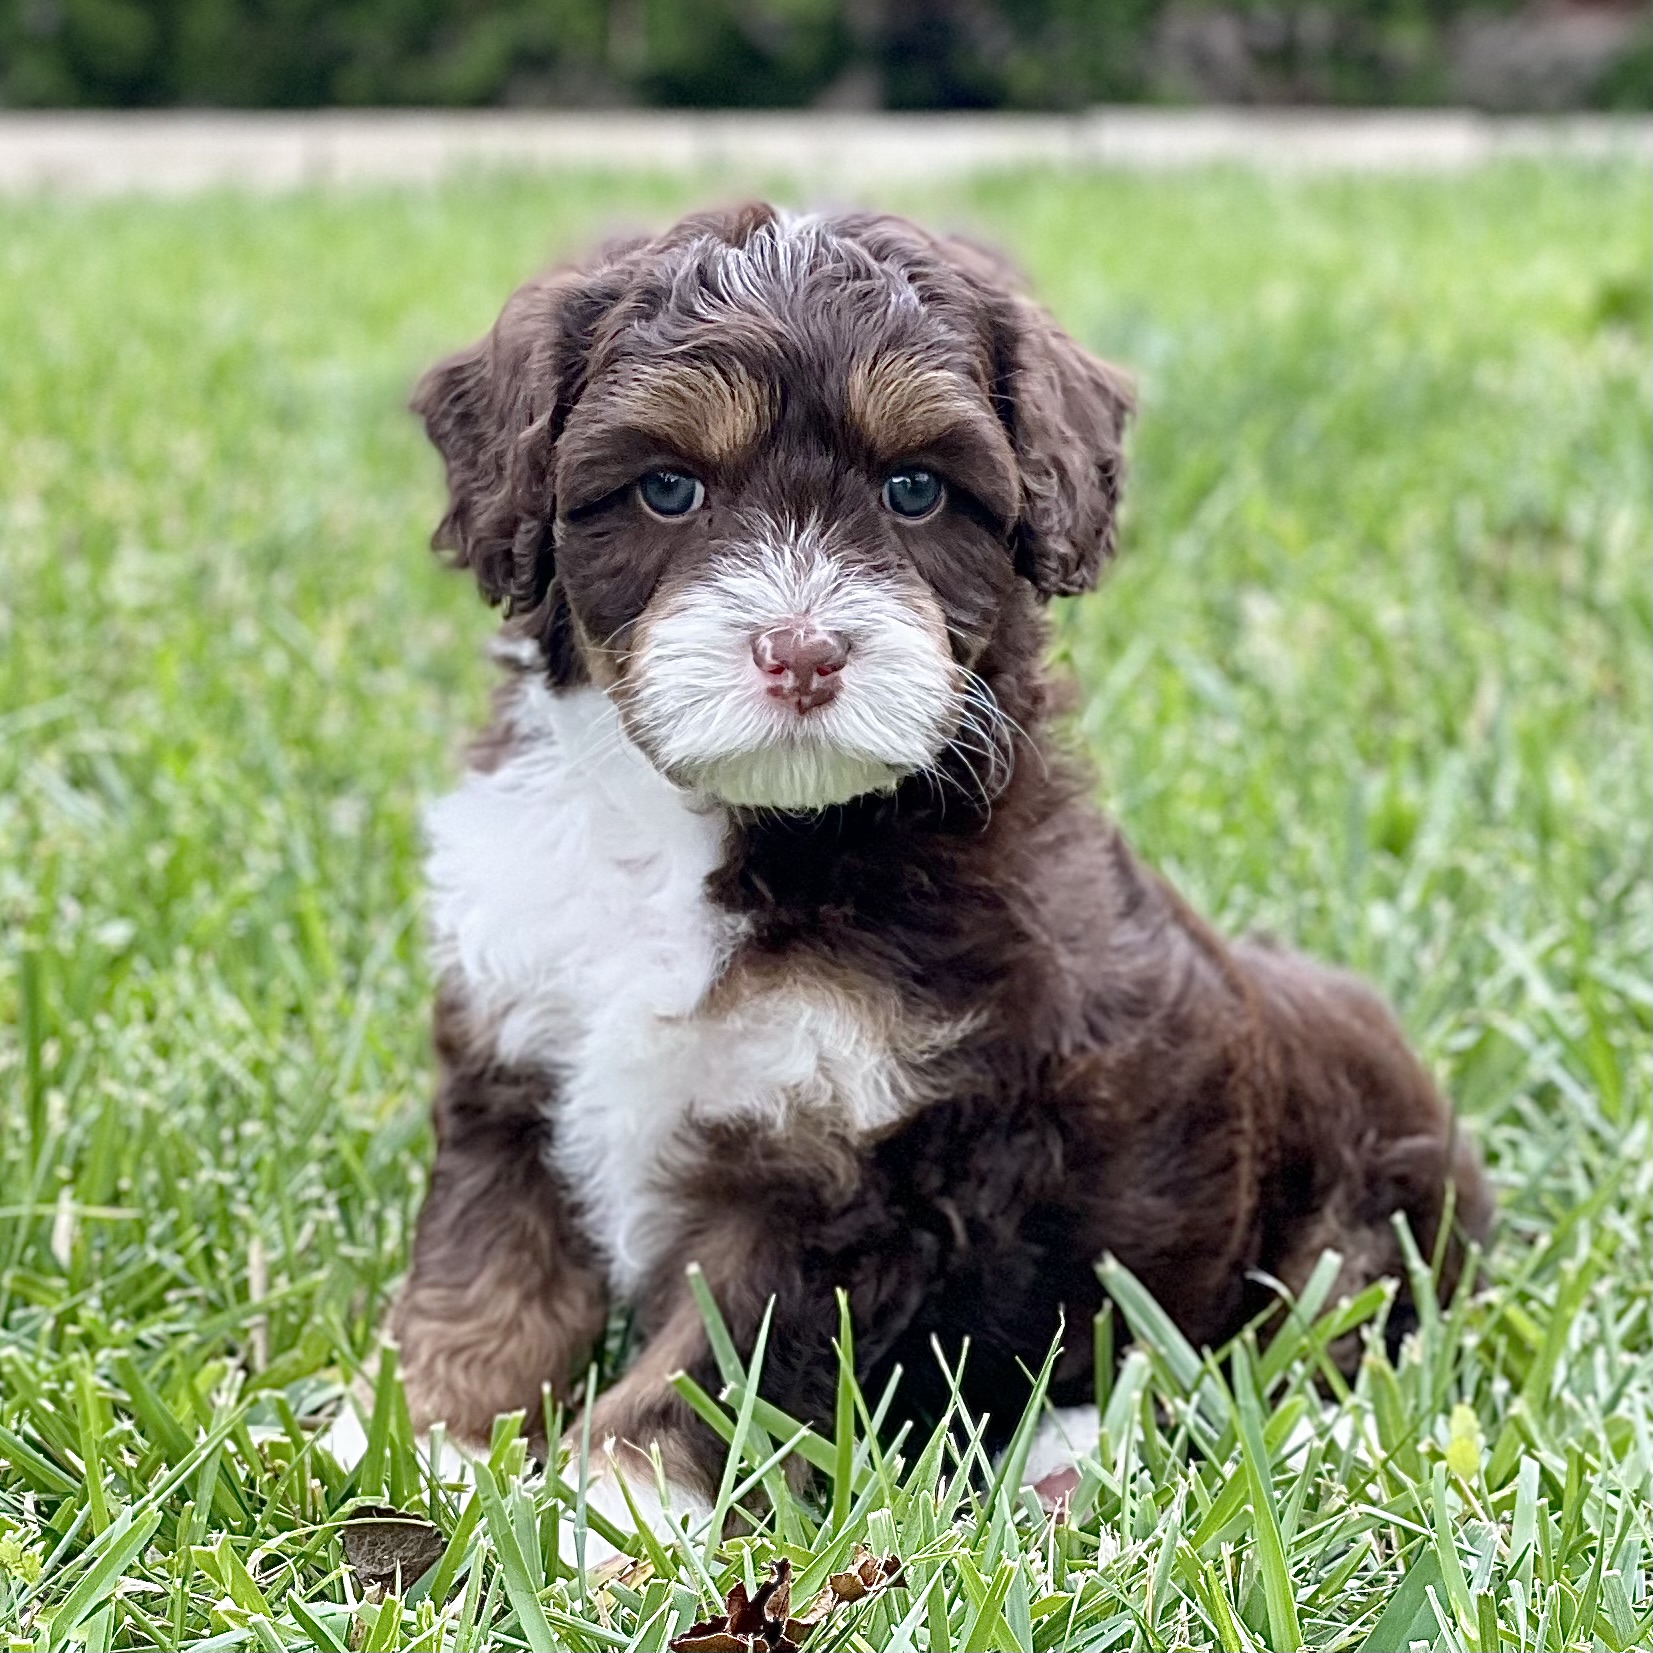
[670, 493]
[912, 494]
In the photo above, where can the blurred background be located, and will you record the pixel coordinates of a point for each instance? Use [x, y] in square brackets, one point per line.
[844, 54]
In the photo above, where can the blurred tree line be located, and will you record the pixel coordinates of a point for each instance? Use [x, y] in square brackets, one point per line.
[901, 54]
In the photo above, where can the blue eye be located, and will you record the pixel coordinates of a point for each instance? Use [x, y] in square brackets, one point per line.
[912, 494]
[670, 493]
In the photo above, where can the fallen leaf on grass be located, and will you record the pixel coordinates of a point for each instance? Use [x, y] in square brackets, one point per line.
[380, 1541]
[866, 1575]
[763, 1623]
[759, 1624]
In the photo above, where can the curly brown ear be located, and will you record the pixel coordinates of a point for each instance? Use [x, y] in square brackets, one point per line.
[494, 411]
[1066, 413]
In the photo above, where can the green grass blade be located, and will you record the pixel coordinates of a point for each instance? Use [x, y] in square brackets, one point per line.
[843, 1418]
[1285, 1632]
[104, 1562]
[513, 1566]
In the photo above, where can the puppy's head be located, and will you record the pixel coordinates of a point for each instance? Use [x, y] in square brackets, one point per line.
[771, 483]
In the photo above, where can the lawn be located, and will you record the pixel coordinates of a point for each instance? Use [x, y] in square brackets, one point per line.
[1372, 673]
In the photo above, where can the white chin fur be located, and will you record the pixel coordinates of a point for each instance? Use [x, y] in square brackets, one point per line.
[797, 779]
[697, 706]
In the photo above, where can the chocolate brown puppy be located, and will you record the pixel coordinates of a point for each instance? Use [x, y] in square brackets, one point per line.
[772, 934]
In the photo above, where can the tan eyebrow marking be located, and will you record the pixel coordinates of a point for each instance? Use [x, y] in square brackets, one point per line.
[711, 413]
[902, 406]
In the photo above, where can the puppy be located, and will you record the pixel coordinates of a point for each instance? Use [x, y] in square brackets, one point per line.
[771, 933]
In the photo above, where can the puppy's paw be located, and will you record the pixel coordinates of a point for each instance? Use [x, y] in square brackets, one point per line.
[684, 1510]
[345, 1440]
[1065, 1435]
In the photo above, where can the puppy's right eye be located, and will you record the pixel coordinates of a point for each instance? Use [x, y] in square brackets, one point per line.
[912, 494]
[670, 493]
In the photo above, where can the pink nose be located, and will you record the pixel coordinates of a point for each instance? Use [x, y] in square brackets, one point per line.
[802, 663]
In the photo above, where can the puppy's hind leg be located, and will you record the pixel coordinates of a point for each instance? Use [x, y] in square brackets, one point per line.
[1365, 1137]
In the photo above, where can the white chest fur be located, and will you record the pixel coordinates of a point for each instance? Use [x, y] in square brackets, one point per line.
[568, 894]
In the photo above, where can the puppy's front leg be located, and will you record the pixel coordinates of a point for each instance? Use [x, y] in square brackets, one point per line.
[642, 1414]
[504, 1293]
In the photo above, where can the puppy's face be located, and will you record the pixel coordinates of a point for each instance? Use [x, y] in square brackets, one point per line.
[771, 484]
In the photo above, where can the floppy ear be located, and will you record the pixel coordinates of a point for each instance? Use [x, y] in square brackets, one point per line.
[1066, 411]
[494, 412]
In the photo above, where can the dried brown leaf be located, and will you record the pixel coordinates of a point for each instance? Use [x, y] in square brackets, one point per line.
[759, 1624]
[866, 1575]
[381, 1541]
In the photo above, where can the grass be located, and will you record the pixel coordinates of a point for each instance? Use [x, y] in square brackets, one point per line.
[1373, 673]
